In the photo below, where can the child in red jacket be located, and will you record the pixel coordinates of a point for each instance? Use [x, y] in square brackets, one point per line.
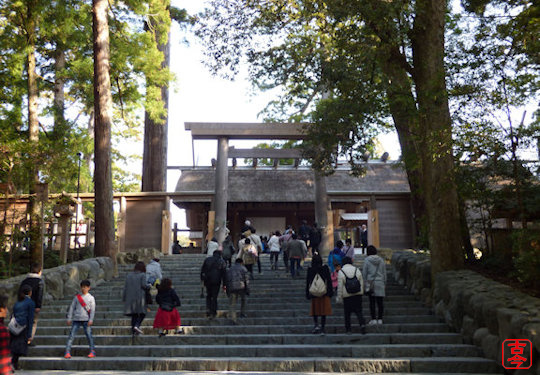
[5, 352]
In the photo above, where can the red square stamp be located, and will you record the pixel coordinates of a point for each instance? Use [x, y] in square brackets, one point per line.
[516, 354]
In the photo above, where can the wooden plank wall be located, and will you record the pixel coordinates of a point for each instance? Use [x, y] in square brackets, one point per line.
[395, 226]
[143, 223]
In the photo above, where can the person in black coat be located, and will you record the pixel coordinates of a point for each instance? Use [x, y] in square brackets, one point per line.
[320, 306]
[35, 281]
[167, 317]
[315, 237]
[364, 238]
[213, 273]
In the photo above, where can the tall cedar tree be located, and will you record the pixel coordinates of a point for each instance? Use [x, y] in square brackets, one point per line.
[104, 245]
[154, 172]
[33, 127]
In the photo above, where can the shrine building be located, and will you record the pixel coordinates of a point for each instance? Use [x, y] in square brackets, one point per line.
[275, 196]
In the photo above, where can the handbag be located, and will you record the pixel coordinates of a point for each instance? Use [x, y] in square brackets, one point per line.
[148, 297]
[372, 282]
[14, 327]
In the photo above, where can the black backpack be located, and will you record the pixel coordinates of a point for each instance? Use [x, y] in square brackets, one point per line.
[352, 284]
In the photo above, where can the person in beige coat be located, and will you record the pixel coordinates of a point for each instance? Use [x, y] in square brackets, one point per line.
[352, 302]
[248, 253]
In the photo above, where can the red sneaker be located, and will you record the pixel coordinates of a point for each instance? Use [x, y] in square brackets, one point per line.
[92, 354]
[67, 355]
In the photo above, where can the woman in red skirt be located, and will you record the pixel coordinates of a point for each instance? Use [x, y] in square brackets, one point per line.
[167, 317]
[320, 306]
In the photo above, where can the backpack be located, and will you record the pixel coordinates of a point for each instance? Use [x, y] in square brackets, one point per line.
[352, 284]
[318, 286]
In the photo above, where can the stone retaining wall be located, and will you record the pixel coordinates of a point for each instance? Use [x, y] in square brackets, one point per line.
[64, 280]
[143, 254]
[484, 311]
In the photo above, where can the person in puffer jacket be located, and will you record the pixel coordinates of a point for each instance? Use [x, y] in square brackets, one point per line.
[153, 272]
[352, 302]
[237, 286]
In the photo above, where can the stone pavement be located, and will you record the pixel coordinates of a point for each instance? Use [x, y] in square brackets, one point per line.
[274, 337]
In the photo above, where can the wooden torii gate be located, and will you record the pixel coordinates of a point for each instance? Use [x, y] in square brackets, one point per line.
[223, 132]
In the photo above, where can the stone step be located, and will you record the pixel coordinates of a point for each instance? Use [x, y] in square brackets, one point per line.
[290, 312]
[61, 372]
[242, 338]
[239, 329]
[254, 302]
[275, 337]
[253, 320]
[273, 293]
[279, 364]
[299, 297]
[253, 350]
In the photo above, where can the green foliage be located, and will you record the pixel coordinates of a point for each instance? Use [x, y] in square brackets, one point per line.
[527, 259]
[276, 145]
[51, 259]
[66, 27]
[493, 80]
[498, 263]
[319, 55]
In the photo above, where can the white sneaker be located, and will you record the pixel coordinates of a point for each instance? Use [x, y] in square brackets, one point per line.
[372, 322]
[379, 321]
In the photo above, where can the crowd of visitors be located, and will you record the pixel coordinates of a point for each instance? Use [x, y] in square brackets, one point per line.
[227, 267]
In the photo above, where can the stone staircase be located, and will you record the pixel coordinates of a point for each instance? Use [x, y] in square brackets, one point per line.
[275, 336]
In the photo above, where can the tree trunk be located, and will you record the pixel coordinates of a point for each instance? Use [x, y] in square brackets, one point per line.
[104, 245]
[33, 133]
[154, 174]
[436, 137]
[465, 234]
[405, 116]
[59, 106]
[423, 123]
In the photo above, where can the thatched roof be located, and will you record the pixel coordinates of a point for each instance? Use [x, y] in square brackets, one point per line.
[295, 185]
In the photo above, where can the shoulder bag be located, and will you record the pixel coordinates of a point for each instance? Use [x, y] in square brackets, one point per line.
[14, 327]
[372, 282]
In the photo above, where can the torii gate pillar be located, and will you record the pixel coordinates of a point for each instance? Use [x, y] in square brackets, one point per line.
[323, 215]
[222, 183]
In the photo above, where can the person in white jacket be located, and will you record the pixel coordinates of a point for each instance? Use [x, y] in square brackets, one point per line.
[212, 246]
[153, 272]
[352, 301]
[273, 244]
[374, 271]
